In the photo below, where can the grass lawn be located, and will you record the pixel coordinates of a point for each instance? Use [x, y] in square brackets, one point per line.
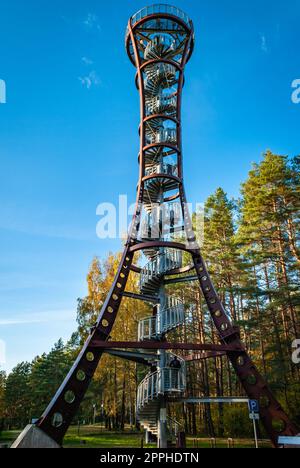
[8, 437]
[96, 437]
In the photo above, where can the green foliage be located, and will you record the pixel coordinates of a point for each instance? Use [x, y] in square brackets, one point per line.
[17, 395]
[2, 399]
[47, 374]
[89, 307]
[236, 422]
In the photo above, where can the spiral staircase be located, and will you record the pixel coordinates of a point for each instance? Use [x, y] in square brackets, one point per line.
[166, 382]
[161, 177]
[152, 274]
[154, 328]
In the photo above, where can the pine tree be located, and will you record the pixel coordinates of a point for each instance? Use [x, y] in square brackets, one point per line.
[220, 249]
[18, 396]
[2, 400]
[47, 373]
[268, 236]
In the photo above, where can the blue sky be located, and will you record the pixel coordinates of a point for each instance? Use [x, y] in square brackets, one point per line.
[68, 135]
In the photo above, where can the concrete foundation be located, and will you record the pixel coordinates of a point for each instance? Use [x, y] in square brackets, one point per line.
[34, 438]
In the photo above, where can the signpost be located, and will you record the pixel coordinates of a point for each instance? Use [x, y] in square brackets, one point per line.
[253, 405]
[254, 416]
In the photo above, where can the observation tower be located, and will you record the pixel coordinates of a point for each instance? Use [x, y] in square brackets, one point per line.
[159, 43]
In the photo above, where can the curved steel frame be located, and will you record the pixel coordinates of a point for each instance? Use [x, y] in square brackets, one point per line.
[79, 378]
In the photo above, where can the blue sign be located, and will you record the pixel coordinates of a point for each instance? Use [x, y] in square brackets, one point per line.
[253, 406]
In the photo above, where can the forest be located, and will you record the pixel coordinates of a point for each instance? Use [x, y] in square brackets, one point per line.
[252, 248]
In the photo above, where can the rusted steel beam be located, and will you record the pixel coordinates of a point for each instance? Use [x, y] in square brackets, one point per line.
[252, 381]
[161, 60]
[98, 344]
[172, 197]
[161, 116]
[161, 145]
[162, 176]
[81, 374]
[139, 358]
[135, 269]
[149, 245]
[180, 271]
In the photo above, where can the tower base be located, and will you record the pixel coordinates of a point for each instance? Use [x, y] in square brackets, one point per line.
[34, 438]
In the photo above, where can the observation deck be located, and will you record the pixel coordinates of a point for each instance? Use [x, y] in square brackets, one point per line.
[170, 19]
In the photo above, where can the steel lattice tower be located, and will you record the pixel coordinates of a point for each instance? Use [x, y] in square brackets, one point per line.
[160, 42]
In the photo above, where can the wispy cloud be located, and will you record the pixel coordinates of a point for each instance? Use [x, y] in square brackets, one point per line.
[92, 79]
[91, 22]
[6, 323]
[35, 222]
[40, 317]
[87, 61]
[12, 282]
[264, 44]
[52, 232]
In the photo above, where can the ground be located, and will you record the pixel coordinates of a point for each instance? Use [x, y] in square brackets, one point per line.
[96, 437]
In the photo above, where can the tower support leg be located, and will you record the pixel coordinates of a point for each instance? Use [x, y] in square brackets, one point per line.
[273, 416]
[34, 437]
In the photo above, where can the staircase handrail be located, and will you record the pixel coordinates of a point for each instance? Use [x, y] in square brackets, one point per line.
[157, 329]
[165, 380]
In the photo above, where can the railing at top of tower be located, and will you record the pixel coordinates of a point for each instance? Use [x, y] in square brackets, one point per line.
[163, 9]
